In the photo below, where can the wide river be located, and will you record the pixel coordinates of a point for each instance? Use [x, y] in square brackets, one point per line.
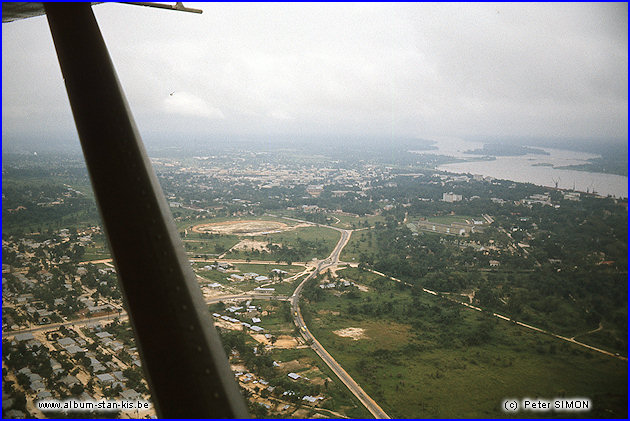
[524, 169]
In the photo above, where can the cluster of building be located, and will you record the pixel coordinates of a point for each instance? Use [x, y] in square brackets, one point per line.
[249, 276]
[84, 363]
[263, 393]
[335, 284]
[243, 277]
[285, 401]
[42, 281]
[264, 175]
[244, 312]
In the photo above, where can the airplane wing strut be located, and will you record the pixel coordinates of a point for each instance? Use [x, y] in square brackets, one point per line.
[183, 358]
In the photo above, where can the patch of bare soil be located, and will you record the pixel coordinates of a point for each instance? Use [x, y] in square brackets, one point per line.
[246, 228]
[286, 342]
[238, 367]
[260, 338]
[293, 365]
[355, 333]
[301, 413]
[227, 325]
[333, 312]
[248, 245]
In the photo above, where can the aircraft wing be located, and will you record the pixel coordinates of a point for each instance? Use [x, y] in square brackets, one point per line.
[185, 365]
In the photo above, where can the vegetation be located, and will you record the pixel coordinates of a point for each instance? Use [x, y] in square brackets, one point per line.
[298, 245]
[321, 381]
[549, 258]
[447, 357]
[560, 282]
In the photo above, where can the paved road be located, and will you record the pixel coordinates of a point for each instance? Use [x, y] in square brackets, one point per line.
[352, 385]
[246, 296]
[331, 261]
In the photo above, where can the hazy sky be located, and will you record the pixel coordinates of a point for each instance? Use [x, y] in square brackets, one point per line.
[378, 70]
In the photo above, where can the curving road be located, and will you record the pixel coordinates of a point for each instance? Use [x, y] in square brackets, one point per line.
[353, 386]
[330, 261]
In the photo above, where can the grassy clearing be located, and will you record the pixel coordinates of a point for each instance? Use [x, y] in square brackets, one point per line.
[214, 245]
[93, 253]
[342, 221]
[426, 357]
[449, 219]
[302, 244]
[212, 275]
[354, 222]
[327, 235]
[361, 242]
[287, 288]
[188, 224]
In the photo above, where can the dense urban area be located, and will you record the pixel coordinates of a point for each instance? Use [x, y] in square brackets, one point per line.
[447, 293]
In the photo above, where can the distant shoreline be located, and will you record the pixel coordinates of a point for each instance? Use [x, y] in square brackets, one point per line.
[596, 167]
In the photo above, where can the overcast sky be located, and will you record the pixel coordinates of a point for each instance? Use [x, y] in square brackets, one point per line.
[379, 70]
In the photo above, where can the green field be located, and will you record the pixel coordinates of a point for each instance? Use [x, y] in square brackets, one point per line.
[302, 244]
[187, 224]
[354, 222]
[341, 221]
[361, 242]
[329, 236]
[449, 219]
[212, 275]
[608, 339]
[427, 357]
[94, 253]
[287, 288]
[214, 245]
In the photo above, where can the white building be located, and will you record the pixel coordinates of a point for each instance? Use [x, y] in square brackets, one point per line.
[450, 197]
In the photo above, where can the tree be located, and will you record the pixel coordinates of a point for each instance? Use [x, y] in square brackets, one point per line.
[76, 389]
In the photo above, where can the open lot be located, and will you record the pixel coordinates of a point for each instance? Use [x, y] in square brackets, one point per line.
[244, 228]
[301, 243]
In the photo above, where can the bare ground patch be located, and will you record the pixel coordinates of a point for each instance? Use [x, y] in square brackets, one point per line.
[362, 287]
[286, 342]
[248, 245]
[294, 365]
[355, 333]
[246, 228]
[283, 341]
[227, 325]
[333, 312]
